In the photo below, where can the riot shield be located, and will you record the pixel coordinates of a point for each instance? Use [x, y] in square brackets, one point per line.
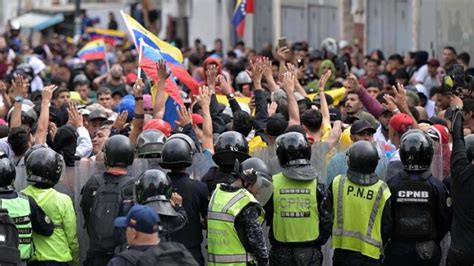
[440, 165]
[382, 166]
[268, 155]
[201, 165]
[263, 188]
[139, 166]
[319, 153]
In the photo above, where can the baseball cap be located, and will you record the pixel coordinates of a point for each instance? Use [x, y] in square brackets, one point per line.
[80, 79]
[360, 126]
[140, 217]
[335, 114]
[433, 62]
[439, 132]
[160, 125]
[97, 114]
[401, 123]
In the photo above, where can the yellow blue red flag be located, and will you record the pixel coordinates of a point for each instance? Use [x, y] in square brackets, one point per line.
[137, 31]
[93, 50]
[112, 37]
[242, 8]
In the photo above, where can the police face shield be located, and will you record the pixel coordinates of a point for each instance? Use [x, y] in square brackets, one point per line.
[139, 166]
[262, 189]
[268, 155]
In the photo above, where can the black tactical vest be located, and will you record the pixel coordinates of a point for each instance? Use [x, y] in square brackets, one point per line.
[413, 207]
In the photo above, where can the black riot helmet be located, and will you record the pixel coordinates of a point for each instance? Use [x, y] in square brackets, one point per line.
[43, 165]
[258, 165]
[7, 173]
[118, 151]
[416, 150]
[293, 149]
[229, 146]
[469, 142]
[152, 184]
[363, 157]
[177, 152]
[150, 143]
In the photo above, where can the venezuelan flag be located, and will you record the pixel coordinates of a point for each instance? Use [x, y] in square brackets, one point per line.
[242, 8]
[148, 63]
[93, 50]
[137, 31]
[109, 36]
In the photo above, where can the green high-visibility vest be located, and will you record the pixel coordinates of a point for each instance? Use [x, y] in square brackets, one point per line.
[19, 211]
[358, 216]
[295, 215]
[224, 246]
[62, 245]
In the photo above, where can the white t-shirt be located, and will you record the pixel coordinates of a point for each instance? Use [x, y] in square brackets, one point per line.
[421, 74]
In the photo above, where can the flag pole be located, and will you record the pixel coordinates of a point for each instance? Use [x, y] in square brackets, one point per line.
[140, 51]
[107, 64]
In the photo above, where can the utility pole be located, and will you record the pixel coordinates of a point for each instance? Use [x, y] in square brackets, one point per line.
[77, 18]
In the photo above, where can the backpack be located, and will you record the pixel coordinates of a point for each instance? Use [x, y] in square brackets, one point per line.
[9, 252]
[165, 253]
[107, 205]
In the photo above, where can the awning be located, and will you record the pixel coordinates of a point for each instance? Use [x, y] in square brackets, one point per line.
[38, 21]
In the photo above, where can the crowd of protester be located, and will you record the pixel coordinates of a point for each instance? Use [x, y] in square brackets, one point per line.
[335, 95]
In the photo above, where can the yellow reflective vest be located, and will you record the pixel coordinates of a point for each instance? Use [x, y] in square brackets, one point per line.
[62, 245]
[358, 216]
[295, 215]
[224, 245]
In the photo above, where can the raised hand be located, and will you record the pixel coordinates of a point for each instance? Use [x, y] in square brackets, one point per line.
[47, 93]
[226, 88]
[204, 97]
[324, 79]
[282, 53]
[121, 121]
[389, 103]
[267, 68]
[184, 117]
[163, 73]
[176, 199]
[288, 82]
[75, 118]
[272, 108]
[138, 88]
[353, 83]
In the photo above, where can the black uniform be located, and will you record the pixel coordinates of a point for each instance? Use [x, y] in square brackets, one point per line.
[120, 260]
[39, 221]
[462, 186]
[420, 214]
[195, 202]
[96, 256]
[420, 206]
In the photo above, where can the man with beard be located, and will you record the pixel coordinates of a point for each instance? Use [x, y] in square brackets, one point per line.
[114, 80]
[381, 135]
[353, 105]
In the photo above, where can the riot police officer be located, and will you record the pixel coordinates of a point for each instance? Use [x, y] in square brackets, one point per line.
[420, 206]
[150, 143]
[234, 220]
[361, 204]
[177, 155]
[22, 209]
[299, 214]
[107, 196]
[153, 188]
[44, 167]
[229, 146]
